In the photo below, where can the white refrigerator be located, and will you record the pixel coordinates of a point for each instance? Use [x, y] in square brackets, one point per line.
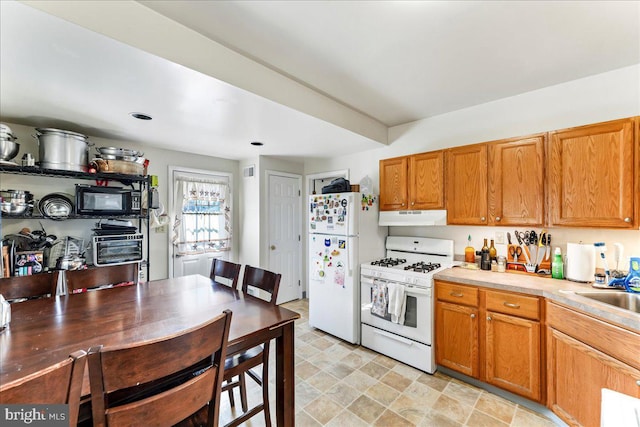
[343, 233]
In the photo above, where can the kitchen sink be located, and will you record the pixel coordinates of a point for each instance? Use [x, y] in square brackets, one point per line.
[626, 300]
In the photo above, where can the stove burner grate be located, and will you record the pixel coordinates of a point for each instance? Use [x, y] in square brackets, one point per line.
[389, 262]
[423, 267]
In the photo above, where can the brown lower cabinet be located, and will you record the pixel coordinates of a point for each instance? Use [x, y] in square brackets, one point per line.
[586, 355]
[493, 336]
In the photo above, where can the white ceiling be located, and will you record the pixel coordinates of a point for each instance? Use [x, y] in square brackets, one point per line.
[401, 61]
[395, 62]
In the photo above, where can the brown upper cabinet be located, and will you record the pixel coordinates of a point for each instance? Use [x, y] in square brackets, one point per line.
[412, 182]
[516, 181]
[466, 183]
[497, 183]
[591, 175]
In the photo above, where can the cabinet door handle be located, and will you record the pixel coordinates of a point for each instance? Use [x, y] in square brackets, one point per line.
[413, 203]
[488, 317]
[473, 316]
[456, 294]
[627, 219]
[638, 382]
[512, 305]
[498, 219]
[402, 204]
[483, 218]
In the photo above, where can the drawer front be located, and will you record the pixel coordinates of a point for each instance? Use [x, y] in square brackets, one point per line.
[515, 304]
[457, 294]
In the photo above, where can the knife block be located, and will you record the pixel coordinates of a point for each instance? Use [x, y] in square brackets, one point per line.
[519, 266]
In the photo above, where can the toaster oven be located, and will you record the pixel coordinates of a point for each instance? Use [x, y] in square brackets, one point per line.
[117, 249]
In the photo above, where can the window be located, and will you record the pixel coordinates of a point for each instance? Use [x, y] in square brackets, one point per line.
[202, 221]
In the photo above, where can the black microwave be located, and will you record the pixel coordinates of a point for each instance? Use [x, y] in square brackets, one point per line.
[94, 200]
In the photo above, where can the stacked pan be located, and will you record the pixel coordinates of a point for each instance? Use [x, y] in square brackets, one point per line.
[56, 206]
[119, 160]
[16, 202]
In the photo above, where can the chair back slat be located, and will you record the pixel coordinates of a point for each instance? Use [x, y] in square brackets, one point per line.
[227, 270]
[60, 383]
[133, 385]
[264, 280]
[78, 280]
[36, 285]
[189, 395]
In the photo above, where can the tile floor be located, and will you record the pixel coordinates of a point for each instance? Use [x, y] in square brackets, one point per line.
[339, 384]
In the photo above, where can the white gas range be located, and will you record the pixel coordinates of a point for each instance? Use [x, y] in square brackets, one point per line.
[397, 309]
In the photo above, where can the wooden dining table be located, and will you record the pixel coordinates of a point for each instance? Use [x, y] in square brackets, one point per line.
[45, 331]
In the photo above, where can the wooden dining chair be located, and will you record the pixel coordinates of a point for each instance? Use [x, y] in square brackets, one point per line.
[60, 383]
[34, 286]
[239, 364]
[160, 382]
[226, 270]
[78, 281]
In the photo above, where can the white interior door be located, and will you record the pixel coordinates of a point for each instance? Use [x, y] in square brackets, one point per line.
[285, 239]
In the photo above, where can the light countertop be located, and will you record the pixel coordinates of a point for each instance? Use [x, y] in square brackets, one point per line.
[561, 291]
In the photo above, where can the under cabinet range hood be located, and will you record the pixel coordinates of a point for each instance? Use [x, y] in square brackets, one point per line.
[413, 218]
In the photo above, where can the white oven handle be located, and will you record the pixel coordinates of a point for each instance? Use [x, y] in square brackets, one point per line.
[417, 291]
[409, 289]
[393, 337]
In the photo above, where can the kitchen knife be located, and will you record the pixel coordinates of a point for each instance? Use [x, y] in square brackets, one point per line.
[547, 253]
[541, 251]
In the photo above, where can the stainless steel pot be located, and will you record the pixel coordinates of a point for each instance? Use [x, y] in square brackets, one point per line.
[61, 149]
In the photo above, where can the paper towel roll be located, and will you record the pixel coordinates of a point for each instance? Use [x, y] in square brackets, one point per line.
[581, 262]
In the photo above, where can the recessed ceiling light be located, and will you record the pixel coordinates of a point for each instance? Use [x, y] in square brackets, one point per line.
[257, 143]
[141, 116]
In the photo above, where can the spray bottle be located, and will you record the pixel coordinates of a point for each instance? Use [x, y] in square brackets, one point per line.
[600, 246]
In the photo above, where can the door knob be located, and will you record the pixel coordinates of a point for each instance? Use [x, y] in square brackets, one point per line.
[627, 219]
[483, 218]
[498, 219]
[273, 247]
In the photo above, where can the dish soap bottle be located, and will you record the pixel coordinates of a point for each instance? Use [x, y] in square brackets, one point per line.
[557, 266]
[469, 252]
[485, 260]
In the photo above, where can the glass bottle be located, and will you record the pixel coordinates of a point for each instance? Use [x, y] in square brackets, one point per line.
[493, 253]
[485, 259]
[469, 252]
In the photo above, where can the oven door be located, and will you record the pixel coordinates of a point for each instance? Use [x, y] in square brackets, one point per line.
[418, 319]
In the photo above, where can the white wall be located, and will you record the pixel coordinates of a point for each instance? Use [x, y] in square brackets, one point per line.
[159, 162]
[249, 206]
[607, 96]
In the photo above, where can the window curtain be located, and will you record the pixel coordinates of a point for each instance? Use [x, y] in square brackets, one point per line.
[202, 220]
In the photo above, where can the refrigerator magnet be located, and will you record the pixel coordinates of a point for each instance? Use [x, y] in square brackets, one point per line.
[342, 244]
[338, 277]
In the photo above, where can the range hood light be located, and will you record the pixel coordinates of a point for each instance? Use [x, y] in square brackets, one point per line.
[413, 218]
